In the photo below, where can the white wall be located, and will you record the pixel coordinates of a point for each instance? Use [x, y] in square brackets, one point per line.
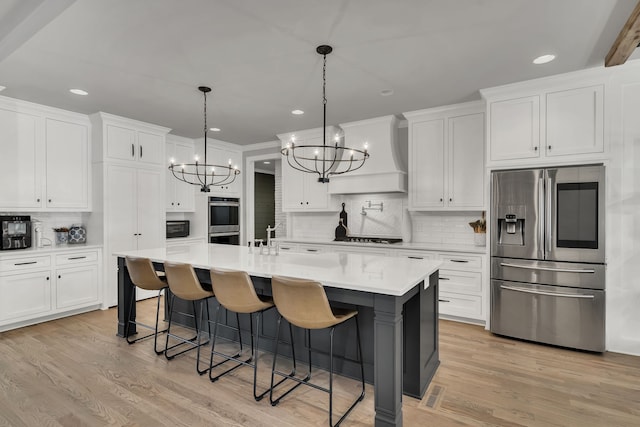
[623, 212]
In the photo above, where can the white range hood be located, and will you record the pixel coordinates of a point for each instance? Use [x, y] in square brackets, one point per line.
[383, 172]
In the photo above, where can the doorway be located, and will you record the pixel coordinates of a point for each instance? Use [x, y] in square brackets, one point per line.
[263, 197]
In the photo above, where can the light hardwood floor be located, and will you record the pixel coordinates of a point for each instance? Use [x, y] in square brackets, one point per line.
[77, 372]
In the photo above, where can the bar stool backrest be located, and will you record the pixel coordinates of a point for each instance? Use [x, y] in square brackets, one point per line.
[183, 282]
[143, 274]
[302, 302]
[235, 291]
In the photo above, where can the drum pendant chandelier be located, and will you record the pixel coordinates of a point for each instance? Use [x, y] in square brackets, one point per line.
[204, 174]
[324, 160]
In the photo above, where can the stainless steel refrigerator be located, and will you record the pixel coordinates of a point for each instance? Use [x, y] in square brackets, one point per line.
[548, 256]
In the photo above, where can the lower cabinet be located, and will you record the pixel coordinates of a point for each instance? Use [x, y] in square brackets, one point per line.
[34, 289]
[462, 292]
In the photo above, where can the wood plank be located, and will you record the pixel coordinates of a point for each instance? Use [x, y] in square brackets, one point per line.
[627, 40]
[70, 372]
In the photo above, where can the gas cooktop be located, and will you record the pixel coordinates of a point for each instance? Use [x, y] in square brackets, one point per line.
[365, 239]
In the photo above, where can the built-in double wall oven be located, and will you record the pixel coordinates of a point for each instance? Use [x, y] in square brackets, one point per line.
[224, 220]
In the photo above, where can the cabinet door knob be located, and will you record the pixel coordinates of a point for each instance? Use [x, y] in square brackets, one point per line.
[301, 203]
[133, 151]
[49, 200]
[450, 199]
[178, 203]
[38, 200]
[59, 276]
[549, 147]
[441, 199]
[47, 277]
[171, 203]
[535, 148]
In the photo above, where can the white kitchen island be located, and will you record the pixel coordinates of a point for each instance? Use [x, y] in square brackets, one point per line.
[397, 299]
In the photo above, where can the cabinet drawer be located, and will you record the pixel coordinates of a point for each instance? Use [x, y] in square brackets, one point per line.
[460, 262]
[76, 257]
[460, 281]
[311, 249]
[26, 263]
[469, 306]
[415, 254]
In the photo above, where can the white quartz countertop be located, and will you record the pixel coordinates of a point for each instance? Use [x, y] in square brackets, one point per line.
[368, 273]
[443, 247]
[46, 250]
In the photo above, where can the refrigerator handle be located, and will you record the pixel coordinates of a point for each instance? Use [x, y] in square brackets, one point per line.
[548, 222]
[541, 218]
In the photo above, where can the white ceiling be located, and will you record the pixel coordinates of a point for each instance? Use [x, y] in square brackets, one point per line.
[144, 59]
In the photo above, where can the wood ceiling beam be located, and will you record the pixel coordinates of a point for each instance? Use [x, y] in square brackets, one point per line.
[627, 40]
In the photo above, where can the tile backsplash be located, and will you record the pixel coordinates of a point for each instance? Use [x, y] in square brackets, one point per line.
[426, 227]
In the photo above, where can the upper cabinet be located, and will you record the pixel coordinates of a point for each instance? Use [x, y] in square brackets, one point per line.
[446, 157]
[46, 158]
[180, 195]
[552, 120]
[301, 191]
[131, 143]
[67, 161]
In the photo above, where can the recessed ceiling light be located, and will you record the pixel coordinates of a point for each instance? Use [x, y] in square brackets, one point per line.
[544, 59]
[79, 92]
[2, 88]
[386, 92]
[214, 129]
[297, 112]
[267, 163]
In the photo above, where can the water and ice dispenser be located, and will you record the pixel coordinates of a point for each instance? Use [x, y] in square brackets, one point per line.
[511, 221]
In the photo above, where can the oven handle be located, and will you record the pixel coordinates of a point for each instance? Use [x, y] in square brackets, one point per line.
[231, 204]
[551, 294]
[232, 233]
[556, 270]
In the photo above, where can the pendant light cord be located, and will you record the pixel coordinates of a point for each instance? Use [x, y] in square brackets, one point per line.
[324, 112]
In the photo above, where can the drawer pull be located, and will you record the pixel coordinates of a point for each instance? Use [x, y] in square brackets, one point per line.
[312, 250]
[26, 263]
[415, 257]
[459, 260]
[443, 300]
[284, 248]
[444, 278]
[76, 257]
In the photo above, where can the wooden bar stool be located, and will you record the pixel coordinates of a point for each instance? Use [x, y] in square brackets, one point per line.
[235, 292]
[144, 276]
[185, 285]
[304, 303]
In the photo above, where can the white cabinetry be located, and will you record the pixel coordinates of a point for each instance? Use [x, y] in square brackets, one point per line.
[129, 190]
[462, 292]
[67, 164]
[446, 168]
[130, 144]
[301, 191]
[461, 286]
[48, 286]
[45, 156]
[180, 195]
[557, 120]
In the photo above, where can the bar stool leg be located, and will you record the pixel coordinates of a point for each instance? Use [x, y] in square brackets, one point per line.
[291, 375]
[227, 358]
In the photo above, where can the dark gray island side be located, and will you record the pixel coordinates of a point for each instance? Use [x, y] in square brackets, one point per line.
[399, 321]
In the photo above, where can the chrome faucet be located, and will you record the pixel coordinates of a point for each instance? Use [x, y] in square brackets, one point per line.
[269, 230]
